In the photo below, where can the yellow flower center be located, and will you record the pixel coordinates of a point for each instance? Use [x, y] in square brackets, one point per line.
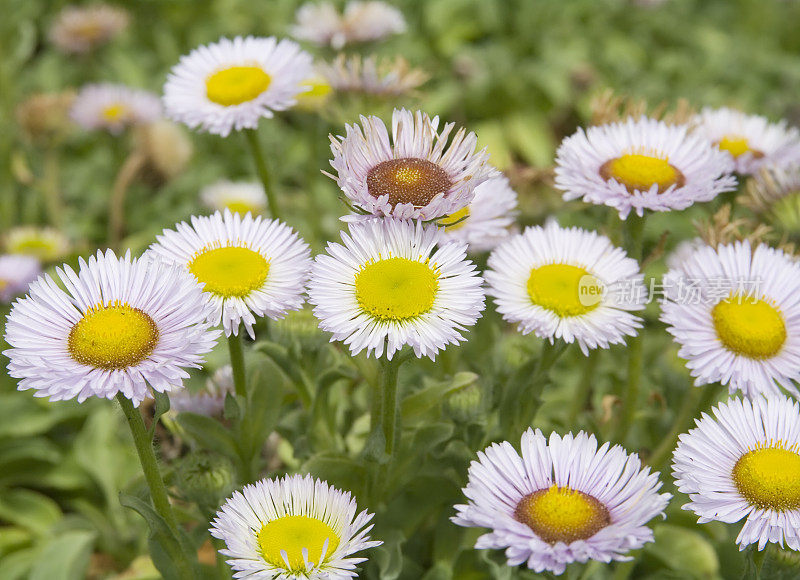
[89, 30]
[112, 337]
[290, 535]
[564, 289]
[39, 247]
[748, 327]
[561, 514]
[236, 85]
[396, 288]
[115, 112]
[455, 220]
[737, 145]
[231, 271]
[769, 477]
[409, 180]
[640, 172]
[241, 207]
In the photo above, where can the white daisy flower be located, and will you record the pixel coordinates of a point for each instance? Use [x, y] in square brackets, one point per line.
[81, 29]
[114, 107]
[390, 285]
[231, 84]
[236, 196]
[736, 314]
[47, 244]
[249, 266]
[385, 78]
[120, 325]
[487, 221]
[683, 251]
[751, 140]
[16, 274]
[211, 400]
[414, 175]
[642, 164]
[744, 462]
[294, 528]
[321, 24]
[561, 501]
[568, 284]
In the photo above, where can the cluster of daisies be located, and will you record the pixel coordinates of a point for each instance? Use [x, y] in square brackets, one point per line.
[422, 196]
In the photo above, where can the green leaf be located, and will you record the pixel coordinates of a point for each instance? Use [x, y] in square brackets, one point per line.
[165, 549]
[30, 510]
[343, 471]
[66, 557]
[684, 551]
[13, 539]
[162, 406]
[24, 416]
[389, 556]
[208, 433]
[17, 565]
[418, 403]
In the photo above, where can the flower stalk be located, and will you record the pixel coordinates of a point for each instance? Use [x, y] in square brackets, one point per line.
[263, 172]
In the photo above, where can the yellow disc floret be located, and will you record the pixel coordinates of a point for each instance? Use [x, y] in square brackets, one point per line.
[749, 327]
[769, 477]
[455, 220]
[241, 207]
[231, 271]
[640, 172]
[290, 534]
[564, 289]
[737, 146]
[236, 85]
[408, 180]
[112, 337]
[560, 514]
[396, 288]
[115, 112]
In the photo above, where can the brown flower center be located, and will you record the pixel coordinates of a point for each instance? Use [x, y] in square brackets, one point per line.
[409, 180]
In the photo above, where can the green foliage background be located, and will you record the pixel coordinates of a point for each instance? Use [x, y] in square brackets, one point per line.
[521, 73]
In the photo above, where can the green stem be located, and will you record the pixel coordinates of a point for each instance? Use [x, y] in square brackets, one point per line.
[263, 172]
[634, 242]
[697, 399]
[158, 491]
[237, 365]
[389, 372]
[584, 391]
[524, 394]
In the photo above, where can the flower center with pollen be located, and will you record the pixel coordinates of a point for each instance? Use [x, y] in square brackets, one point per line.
[736, 146]
[769, 477]
[748, 327]
[396, 288]
[640, 172]
[564, 289]
[289, 535]
[560, 514]
[112, 337]
[231, 271]
[410, 180]
[236, 85]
